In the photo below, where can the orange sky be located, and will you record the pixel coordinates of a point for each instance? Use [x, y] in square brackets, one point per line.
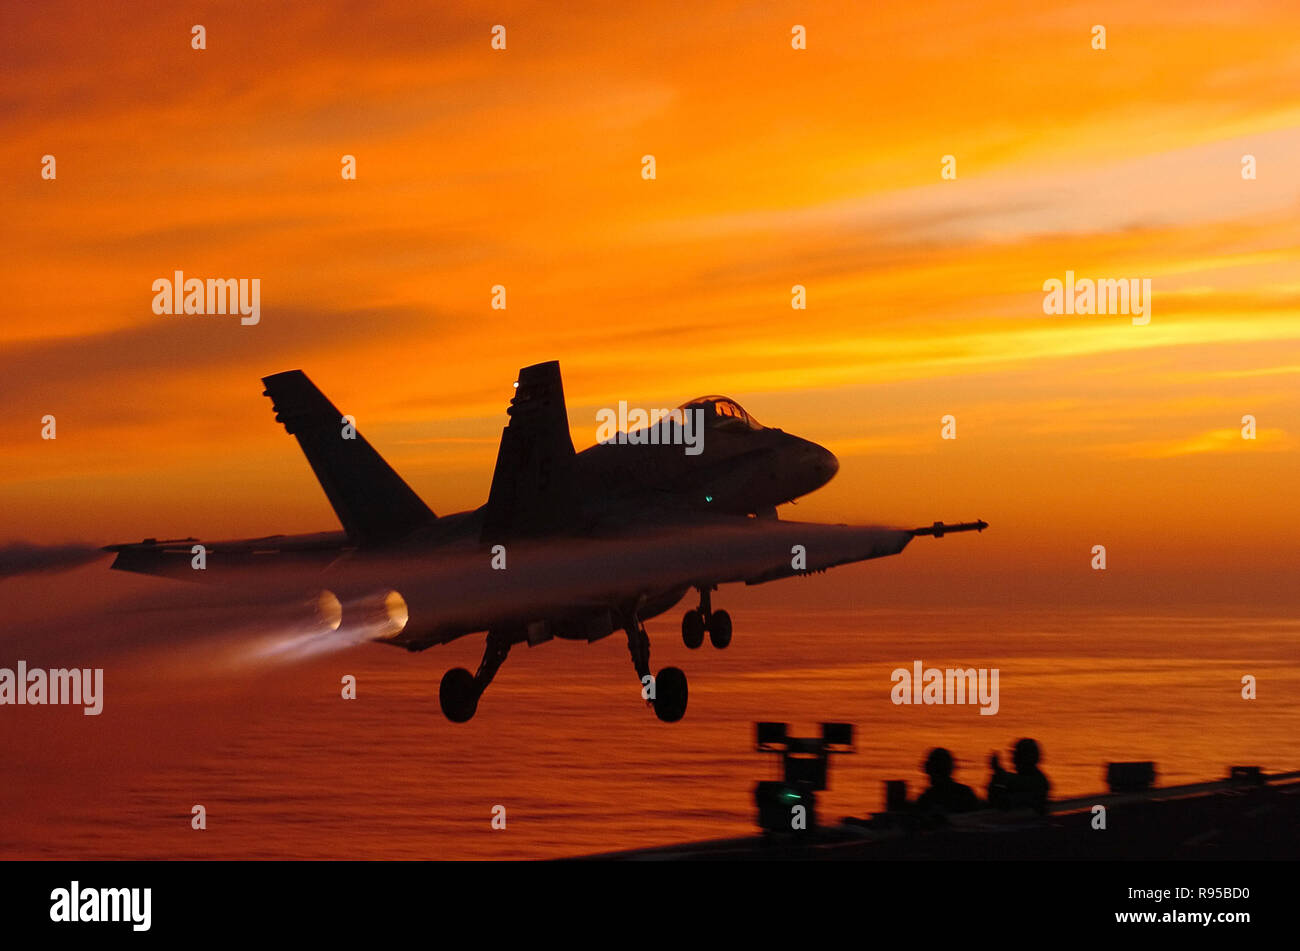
[775, 167]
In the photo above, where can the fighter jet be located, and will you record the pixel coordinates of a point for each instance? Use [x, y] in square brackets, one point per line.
[574, 545]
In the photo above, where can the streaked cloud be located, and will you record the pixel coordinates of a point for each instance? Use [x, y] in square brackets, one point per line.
[775, 168]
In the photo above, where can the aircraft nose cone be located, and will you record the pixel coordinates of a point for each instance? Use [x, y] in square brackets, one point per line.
[820, 463]
[825, 463]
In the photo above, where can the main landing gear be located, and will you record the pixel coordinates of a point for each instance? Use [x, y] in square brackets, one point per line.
[695, 623]
[665, 693]
[459, 691]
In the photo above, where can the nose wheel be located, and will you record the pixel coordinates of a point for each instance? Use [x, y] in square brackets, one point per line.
[693, 628]
[720, 629]
[696, 623]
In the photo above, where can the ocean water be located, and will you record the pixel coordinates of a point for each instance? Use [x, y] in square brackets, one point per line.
[287, 768]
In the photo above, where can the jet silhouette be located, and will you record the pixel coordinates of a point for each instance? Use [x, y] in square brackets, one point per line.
[574, 545]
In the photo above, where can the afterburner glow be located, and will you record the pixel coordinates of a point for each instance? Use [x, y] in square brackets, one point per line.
[329, 610]
[398, 615]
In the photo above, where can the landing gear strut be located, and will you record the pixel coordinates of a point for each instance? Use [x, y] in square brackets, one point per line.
[704, 618]
[666, 693]
[459, 691]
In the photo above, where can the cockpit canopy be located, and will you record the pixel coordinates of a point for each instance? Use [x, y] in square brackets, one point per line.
[722, 413]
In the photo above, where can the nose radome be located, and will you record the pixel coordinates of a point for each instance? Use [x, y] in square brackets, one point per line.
[826, 461]
[819, 462]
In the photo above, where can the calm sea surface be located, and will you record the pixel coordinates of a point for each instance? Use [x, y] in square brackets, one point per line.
[286, 768]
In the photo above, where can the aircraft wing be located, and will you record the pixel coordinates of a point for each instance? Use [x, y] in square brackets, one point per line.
[555, 581]
[754, 551]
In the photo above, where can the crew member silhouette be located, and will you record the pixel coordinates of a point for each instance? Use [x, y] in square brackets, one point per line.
[945, 793]
[1026, 788]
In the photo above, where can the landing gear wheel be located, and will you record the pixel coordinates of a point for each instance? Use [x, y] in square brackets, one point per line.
[458, 694]
[720, 629]
[693, 629]
[670, 695]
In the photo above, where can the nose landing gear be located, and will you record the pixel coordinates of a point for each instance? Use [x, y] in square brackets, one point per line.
[704, 619]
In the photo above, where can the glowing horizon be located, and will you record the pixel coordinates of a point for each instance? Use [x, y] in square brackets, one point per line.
[775, 167]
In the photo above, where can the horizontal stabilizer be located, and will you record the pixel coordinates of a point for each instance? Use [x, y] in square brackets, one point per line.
[177, 557]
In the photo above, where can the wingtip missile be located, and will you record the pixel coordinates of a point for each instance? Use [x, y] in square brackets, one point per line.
[939, 529]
